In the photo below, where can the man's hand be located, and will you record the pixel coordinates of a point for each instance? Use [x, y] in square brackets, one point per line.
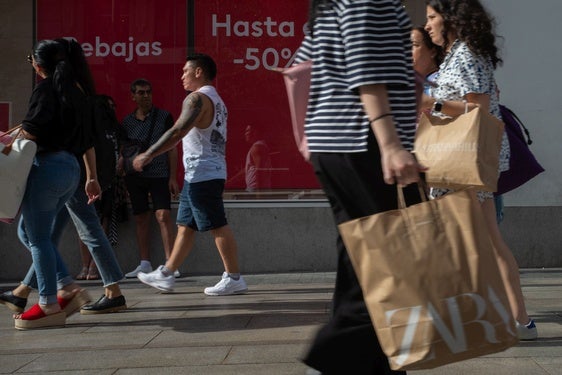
[140, 161]
[399, 166]
[174, 187]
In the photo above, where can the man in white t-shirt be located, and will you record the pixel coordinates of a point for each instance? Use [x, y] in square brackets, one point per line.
[201, 127]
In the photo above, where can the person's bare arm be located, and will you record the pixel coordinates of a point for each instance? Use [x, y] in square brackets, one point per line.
[399, 166]
[92, 186]
[455, 108]
[192, 108]
[173, 163]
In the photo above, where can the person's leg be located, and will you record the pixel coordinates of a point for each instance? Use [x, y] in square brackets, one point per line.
[86, 258]
[138, 194]
[163, 277]
[507, 264]
[205, 199]
[164, 220]
[228, 250]
[161, 204]
[51, 182]
[354, 186]
[498, 202]
[142, 232]
[182, 247]
[30, 280]
[207, 209]
[90, 231]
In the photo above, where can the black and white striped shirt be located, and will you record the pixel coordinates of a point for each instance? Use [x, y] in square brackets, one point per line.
[356, 43]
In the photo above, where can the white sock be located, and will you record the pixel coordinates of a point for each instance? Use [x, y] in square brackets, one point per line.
[166, 271]
[145, 264]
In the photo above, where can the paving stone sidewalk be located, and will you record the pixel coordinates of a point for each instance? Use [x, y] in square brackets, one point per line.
[264, 332]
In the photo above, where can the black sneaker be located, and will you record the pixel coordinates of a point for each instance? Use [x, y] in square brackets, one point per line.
[14, 303]
[105, 306]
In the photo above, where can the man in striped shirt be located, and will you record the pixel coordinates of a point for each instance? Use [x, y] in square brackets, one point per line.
[360, 126]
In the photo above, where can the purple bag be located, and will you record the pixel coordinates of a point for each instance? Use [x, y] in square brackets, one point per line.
[523, 165]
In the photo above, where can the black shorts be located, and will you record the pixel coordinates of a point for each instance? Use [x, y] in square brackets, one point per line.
[140, 188]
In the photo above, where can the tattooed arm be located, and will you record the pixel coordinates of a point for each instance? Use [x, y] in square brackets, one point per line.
[193, 114]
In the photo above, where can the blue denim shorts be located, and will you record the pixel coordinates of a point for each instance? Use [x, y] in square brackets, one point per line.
[201, 206]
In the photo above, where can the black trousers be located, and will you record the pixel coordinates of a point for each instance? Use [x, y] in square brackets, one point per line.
[354, 185]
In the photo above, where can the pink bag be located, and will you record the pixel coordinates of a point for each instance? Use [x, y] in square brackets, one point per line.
[297, 82]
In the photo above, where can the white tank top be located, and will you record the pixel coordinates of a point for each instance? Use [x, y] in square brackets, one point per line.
[204, 149]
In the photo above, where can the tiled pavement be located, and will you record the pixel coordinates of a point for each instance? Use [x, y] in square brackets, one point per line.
[263, 332]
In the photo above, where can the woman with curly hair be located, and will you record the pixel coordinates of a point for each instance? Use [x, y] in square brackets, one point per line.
[466, 80]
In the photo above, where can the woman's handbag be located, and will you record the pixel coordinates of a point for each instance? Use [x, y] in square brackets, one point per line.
[16, 158]
[461, 151]
[431, 282]
[297, 83]
[523, 165]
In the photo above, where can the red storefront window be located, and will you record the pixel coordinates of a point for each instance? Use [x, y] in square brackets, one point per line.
[126, 39]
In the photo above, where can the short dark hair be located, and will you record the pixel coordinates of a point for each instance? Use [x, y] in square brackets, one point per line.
[140, 82]
[204, 62]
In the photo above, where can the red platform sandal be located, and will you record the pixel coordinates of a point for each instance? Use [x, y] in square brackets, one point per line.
[73, 304]
[35, 318]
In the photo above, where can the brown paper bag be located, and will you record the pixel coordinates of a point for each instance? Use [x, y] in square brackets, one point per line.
[431, 282]
[461, 151]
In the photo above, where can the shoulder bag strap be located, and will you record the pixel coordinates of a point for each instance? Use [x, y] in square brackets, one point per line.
[152, 122]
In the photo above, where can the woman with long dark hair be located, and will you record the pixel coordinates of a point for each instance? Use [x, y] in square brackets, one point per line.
[465, 30]
[55, 121]
[360, 126]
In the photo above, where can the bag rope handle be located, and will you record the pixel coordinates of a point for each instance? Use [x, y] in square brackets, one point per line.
[422, 189]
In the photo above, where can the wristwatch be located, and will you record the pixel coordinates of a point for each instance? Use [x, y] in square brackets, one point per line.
[437, 106]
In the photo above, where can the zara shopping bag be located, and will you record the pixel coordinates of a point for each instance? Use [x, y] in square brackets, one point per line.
[297, 83]
[16, 158]
[431, 282]
[460, 151]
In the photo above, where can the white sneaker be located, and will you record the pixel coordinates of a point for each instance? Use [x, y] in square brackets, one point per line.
[177, 274]
[158, 280]
[227, 286]
[136, 271]
[528, 331]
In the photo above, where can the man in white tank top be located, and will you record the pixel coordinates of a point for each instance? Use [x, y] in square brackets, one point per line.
[201, 127]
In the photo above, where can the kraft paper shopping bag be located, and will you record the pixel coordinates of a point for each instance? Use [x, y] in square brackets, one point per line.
[460, 151]
[431, 282]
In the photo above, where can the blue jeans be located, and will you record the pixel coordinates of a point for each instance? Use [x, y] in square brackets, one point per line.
[498, 202]
[91, 233]
[52, 180]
